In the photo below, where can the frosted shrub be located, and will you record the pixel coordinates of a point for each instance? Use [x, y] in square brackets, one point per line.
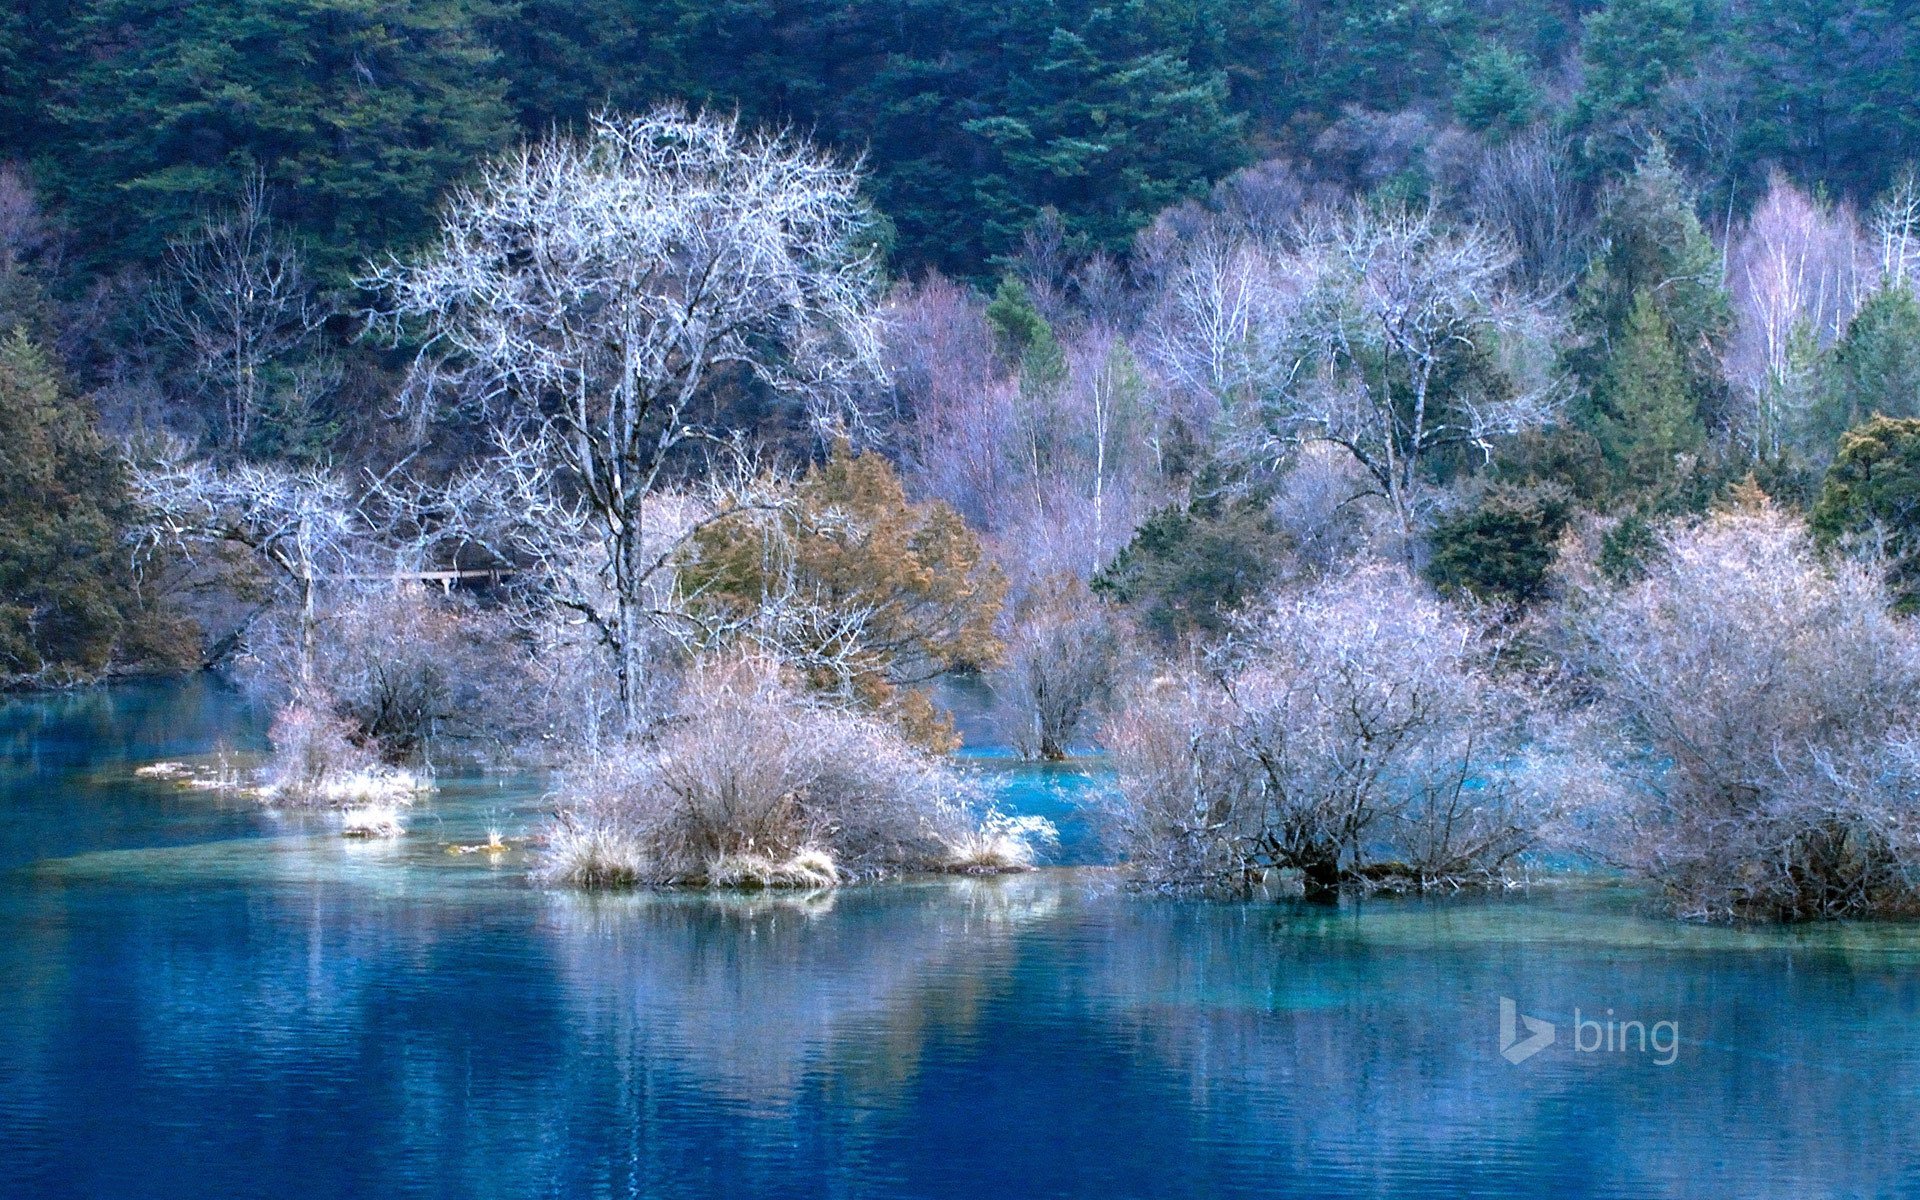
[312, 748]
[754, 782]
[317, 761]
[409, 669]
[1065, 655]
[1352, 731]
[1770, 704]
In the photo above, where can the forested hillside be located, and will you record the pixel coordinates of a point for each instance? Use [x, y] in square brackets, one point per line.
[974, 118]
[1168, 365]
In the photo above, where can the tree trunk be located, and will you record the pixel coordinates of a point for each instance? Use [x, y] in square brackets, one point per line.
[1321, 878]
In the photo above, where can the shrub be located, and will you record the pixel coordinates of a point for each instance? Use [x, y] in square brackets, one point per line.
[1352, 731]
[1189, 566]
[318, 759]
[757, 781]
[1770, 702]
[1062, 662]
[312, 748]
[405, 669]
[1871, 496]
[894, 593]
[1500, 550]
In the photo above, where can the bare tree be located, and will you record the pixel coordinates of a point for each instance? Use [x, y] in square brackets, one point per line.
[1896, 228]
[1769, 761]
[1220, 333]
[1797, 271]
[237, 301]
[954, 396]
[303, 527]
[1062, 667]
[1399, 298]
[586, 291]
[1352, 720]
[1527, 188]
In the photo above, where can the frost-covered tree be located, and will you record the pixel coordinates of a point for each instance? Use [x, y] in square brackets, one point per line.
[585, 292]
[1767, 697]
[1354, 731]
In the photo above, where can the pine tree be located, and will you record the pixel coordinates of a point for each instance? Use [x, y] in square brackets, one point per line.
[63, 582]
[1875, 369]
[1107, 123]
[358, 113]
[1647, 417]
[1024, 336]
[1654, 253]
[1630, 50]
[1496, 94]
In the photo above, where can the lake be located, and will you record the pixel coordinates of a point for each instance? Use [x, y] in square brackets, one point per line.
[199, 998]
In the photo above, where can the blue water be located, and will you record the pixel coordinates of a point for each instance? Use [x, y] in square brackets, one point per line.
[199, 999]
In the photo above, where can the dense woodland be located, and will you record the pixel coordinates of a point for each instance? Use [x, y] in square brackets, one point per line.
[1404, 436]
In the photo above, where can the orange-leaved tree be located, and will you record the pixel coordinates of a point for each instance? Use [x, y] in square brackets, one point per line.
[869, 594]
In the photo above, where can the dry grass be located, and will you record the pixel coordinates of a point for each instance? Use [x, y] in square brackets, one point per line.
[371, 821]
[757, 783]
[591, 856]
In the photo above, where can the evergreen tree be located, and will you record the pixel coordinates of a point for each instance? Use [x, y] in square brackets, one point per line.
[18, 96]
[1024, 336]
[1501, 548]
[564, 60]
[1872, 493]
[1107, 124]
[1832, 85]
[1654, 255]
[1645, 413]
[63, 580]
[357, 112]
[1190, 565]
[1875, 369]
[1496, 93]
[1630, 50]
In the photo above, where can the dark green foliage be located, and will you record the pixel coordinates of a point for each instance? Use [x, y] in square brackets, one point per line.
[358, 113]
[1875, 369]
[1106, 121]
[1626, 548]
[63, 575]
[974, 118]
[1631, 49]
[1832, 85]
[1645, 416]
[16, 66]
[1189, 567]
[1650, 318]
[1496, 93]
[1653, 242]
[1501, 549]
[1872, 493]
[1023, 335]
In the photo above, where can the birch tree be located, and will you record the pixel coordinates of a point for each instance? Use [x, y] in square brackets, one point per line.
[1797, 273]
[585, 292]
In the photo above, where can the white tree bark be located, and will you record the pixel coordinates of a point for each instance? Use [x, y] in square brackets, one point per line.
[586, 291]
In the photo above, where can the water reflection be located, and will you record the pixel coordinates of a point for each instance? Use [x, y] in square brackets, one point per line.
[201, 1002]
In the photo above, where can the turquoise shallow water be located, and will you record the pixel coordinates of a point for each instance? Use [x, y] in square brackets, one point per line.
[201, 999]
